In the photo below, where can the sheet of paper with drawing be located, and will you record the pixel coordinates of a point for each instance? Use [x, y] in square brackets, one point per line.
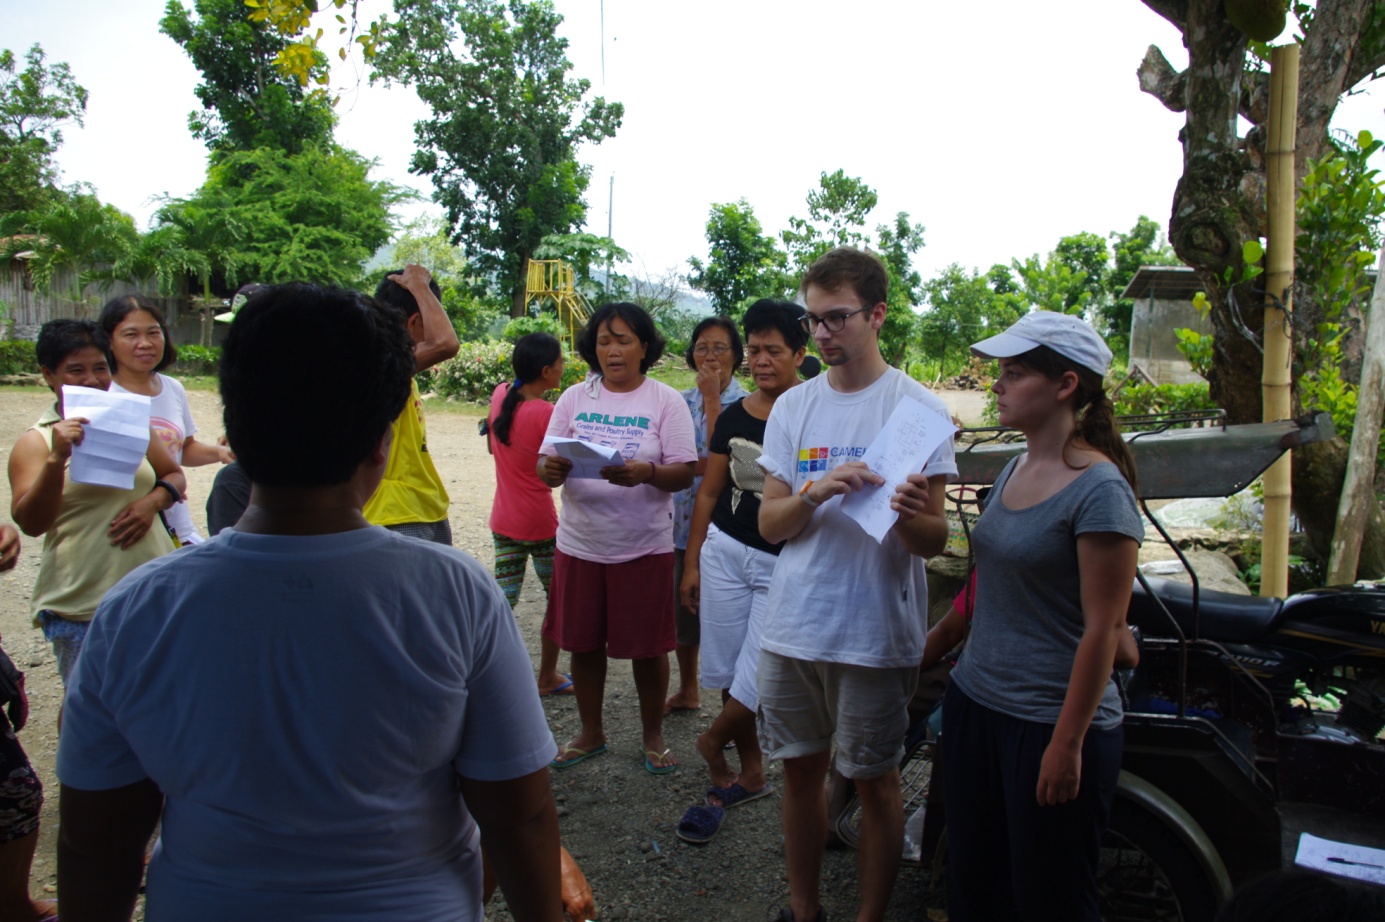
[588, 458]
[116, 439]
[911, 435]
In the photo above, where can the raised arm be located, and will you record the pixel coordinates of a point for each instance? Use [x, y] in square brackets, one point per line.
[439, 342]
[37, 476]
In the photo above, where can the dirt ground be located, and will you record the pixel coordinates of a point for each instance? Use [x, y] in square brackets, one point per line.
[617, 820]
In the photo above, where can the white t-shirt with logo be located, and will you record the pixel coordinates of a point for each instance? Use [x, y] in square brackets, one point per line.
[837, 596]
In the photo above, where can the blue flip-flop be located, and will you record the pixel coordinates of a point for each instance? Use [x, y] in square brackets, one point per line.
[564, 688]
[653, 769]
[735, 794]
[582, 756]
[700, 824]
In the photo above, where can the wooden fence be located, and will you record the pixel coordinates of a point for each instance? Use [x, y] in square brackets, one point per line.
[30, 309]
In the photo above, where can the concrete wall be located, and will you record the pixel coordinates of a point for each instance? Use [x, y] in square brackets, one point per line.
[1153, 345]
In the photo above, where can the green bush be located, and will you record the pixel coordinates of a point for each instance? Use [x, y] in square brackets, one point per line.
[1144, 399]
[475, 371]
[17, 357]
[523, 326]
[196, 361]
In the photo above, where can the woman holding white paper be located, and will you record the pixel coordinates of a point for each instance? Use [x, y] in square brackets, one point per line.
[92, 535]
[612, 589]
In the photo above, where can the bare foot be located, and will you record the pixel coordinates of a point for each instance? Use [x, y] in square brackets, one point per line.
[715, 757]
[682, 701]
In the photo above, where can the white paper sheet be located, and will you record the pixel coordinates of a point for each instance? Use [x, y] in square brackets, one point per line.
[588, 458]
[911, 435]
[1358, 861]
[115, 440]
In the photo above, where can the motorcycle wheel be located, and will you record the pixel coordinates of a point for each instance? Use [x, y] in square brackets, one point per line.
[1147, 875]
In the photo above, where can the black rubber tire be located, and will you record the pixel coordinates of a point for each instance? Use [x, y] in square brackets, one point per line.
[1147, 873]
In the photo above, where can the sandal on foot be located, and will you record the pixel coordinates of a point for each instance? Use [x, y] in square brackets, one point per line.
[651, 757]
[786, 915]
[735, 794]
[581, 756]
[700, 824]
[562, 688]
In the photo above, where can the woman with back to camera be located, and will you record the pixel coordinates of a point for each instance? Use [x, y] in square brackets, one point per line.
[140, 350]
[715, 353]
[727, 570]
[1032, 736]
[523, 521]
[612, 592]
[92, 535]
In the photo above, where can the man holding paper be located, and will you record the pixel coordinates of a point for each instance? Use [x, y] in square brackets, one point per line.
[847, 615]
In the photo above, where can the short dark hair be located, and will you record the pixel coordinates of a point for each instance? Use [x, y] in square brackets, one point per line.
[844, 266]
[784, 316]
[725, 323]
[397, 296]
[639, 322]
[355, 377]
[115, 312]
[57, 339]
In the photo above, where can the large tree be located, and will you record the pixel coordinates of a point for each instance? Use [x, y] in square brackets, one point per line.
[964, 307]
[35, 103]
[246, 102]
[1219, 204]
[743, 263]
[1142, 245]
[501, 146]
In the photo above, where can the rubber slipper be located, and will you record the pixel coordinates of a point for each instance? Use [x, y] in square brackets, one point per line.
[582, 756]
[650, 756]
[735, 794]
[700, 824]
[564, 689]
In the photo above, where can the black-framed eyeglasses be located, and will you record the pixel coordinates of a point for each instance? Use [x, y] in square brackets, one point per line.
[834, 321]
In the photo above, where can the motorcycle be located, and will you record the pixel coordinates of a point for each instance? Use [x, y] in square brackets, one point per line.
[1232, 746]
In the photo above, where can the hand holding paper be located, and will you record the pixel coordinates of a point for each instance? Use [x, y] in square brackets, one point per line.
[910, 436]
[114, 438]
[588, 458]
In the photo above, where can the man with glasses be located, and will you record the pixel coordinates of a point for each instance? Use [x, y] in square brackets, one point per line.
[846, 617]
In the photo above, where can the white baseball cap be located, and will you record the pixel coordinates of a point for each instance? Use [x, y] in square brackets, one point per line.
[1069, 336]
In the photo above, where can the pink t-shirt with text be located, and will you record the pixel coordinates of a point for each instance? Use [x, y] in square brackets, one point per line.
[600, 521]
[523, 506]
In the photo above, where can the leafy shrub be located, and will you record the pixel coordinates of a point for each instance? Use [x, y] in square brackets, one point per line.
[17, 357]
[475, 371]
[1143, 399]
[196, 360]
[523, 326]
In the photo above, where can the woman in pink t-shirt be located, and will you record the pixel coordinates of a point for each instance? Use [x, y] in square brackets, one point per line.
[612, 591]
[523, 521]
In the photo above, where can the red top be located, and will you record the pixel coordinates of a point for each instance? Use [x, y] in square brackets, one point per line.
[523, 507]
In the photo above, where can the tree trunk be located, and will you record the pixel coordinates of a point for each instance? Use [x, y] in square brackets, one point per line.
[1319, 472]
[517, 297]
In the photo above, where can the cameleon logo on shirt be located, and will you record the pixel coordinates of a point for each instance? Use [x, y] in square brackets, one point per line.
[825, 458]
[639, 422]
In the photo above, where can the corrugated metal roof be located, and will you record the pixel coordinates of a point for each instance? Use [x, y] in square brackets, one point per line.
[1166, 283]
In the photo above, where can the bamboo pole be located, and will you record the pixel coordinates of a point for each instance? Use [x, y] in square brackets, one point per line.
[1357, 490]
[1275, 381]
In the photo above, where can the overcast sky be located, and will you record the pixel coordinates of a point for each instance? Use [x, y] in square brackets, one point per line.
[1000, 127]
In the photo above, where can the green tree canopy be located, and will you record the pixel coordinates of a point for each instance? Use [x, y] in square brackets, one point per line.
[1142, 245]
[964, 307]
[743, 264]
[507, 119]
[246, 102]
[314, 216]
[35, 103]
[73, 231]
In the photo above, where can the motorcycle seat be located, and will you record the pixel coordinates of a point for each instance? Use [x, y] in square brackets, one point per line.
[1223, 616]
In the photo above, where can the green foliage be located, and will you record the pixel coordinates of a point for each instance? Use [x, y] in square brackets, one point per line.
[199, 361]
[506, 122]
[963, 307]
[583, 251]
[1142, 245]
[743, 264]
[1144, 399]
[1196, 348]
[474, 372]
[837, 212]
[424, 242]
[246, 102]
[34, 105]
[17, 357]
[73, 231]
[315, 215]
[1070, 279]
[523, 326]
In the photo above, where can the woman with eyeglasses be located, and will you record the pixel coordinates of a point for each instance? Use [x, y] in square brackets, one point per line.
[715, 353]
